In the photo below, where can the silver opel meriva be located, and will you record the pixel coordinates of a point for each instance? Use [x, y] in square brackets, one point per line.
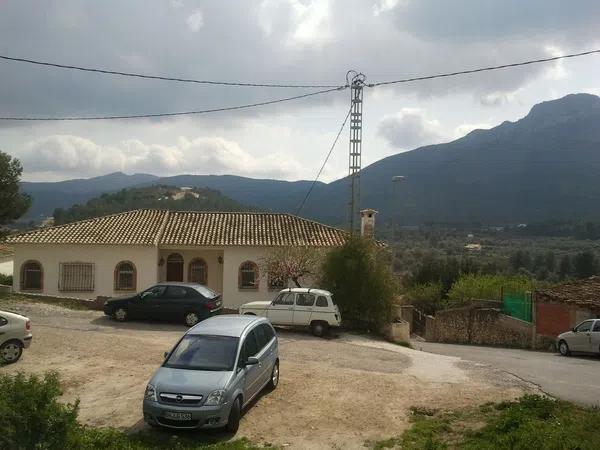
[212, 373]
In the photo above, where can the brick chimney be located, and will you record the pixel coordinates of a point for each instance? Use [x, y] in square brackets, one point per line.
[367, 223]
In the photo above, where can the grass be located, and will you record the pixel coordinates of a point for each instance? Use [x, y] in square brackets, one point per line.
[532, 422]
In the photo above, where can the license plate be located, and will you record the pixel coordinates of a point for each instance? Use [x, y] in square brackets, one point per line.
[178, 415]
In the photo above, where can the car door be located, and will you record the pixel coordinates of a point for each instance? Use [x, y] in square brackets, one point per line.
[596, 337]
[264, 336]
[4, 327]
[281, 311]
[581, 341]
[172, 304]
[145, 305]
[303, 309]
[252, 373]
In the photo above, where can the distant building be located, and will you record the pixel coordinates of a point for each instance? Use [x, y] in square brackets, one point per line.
[473, 248]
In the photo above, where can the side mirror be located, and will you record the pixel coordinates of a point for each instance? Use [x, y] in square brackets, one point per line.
[166, 355]
[574, 330]
[251, 361]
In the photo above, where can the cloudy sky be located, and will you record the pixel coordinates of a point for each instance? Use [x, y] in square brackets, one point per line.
[274, 41]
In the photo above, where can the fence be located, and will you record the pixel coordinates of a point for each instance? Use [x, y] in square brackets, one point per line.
[517, 305]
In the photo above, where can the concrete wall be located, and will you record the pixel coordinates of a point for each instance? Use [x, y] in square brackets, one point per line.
[483, 326]
[104, 257]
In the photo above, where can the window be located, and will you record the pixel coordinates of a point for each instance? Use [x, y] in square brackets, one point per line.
[248, 276]
[199, 352]
[32, 276]
[125, 276]
[197, 271]
[285, 298]
[3, 321]
[76, 277]
[322, 301]
[584, 326]
[305, 300]
[176, 292]
[261, 337]
[276, 283]
[268, 331]
[597, 326]
[154, 292]
[250, 345]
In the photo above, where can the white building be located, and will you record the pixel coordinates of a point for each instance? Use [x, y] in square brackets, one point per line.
[127, 252]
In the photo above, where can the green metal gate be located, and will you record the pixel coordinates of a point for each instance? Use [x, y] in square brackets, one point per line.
[517, 305]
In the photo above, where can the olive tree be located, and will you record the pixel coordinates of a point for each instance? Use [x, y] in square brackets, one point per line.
[13, 204]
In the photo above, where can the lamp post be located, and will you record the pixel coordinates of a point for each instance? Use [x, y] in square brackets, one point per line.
[395, 181]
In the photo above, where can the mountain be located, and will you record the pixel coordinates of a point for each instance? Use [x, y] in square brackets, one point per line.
[543, 166]
[160, 197]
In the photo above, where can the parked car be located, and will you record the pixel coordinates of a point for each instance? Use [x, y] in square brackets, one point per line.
[584, 338]
[187, 302]
[15, 335]
[303, 307]
[215, 370]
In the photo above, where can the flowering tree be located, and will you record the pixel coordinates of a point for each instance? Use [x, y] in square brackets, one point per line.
[291, 263]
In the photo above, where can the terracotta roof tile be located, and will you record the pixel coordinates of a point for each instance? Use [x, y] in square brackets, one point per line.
[583, 292]
[159, 227]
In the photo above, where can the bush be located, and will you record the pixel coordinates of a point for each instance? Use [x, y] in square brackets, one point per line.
[6, 279]
[30, 415]
[427, 296]
[360, 278]
[488, 287]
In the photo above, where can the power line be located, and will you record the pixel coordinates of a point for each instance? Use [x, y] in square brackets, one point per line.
[483, 69]
[165, 78]
[184, 113]
[324, 163]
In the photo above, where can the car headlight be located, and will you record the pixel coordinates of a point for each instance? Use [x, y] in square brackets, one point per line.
[215, 398]
[150, 393]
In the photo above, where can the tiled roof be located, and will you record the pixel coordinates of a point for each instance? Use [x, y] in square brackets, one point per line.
[160, 227]
[583, 292]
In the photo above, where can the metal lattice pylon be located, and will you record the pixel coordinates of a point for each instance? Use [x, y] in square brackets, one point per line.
[354, 162]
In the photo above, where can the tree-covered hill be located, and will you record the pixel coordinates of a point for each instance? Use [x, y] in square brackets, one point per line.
[162, 197]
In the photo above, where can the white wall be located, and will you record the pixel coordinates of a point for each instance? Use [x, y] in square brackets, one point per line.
[105, 258]
[6, 266]
[210, 256]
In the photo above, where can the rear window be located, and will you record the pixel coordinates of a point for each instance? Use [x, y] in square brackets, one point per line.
[305, 300]
[597, 326]
[206, 292]
[322, 301]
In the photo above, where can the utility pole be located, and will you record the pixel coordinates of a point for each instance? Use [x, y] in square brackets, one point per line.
[356, 81]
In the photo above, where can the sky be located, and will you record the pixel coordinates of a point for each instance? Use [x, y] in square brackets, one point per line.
[274, 41]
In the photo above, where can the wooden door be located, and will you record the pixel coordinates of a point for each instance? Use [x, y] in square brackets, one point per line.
[175, 267]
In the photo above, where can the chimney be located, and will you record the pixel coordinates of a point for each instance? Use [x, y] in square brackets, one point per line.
[367, 223]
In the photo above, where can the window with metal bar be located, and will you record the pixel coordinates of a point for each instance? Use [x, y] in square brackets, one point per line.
[76, 277]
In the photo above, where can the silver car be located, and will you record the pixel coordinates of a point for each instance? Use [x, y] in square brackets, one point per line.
[216, 369]
[15, 335]
[584, 338]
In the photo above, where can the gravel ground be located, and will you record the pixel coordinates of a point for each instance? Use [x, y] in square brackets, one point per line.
[334, 393]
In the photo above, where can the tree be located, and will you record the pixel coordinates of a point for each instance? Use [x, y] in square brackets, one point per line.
[427, 296]
[585, 264]
[565, 268]
[13, 204]
[291, 263]
[361, 280]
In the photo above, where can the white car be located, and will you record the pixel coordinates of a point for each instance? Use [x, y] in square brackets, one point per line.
[584, 338]
[15, 335]
[303, 307]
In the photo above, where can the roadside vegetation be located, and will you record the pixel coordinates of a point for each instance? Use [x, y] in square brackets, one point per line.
[532, 422]
[31, 417]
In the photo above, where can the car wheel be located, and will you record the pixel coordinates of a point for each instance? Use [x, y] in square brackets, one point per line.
[120, 314]
[319, 329]
[274, 381]
[10, 352]
[191, 319]
[233, 422]
[563, 348]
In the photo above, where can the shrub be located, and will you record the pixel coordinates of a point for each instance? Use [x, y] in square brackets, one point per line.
[426, 296]
[30, 415]
[6, 279]
[488, 287]
[360, 278]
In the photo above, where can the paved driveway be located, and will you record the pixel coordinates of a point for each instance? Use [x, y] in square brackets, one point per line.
[575, 378]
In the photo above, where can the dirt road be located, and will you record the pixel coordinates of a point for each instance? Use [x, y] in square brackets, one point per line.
[335, 393]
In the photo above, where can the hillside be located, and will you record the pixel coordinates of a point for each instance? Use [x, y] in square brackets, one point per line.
[162, 197]
[542, 167]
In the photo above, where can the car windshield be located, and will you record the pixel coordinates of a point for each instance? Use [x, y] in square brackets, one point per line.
[206, 292]
[200, 352]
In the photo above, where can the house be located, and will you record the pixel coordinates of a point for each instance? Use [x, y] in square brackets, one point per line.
[560, 308]
[130, 251]
[473, 248]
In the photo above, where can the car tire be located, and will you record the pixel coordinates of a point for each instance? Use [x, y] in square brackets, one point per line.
[233, 422]
[274, 381]
[319, 329]
[120, 314]
[191, 318]
[10, 352]
[563, 348]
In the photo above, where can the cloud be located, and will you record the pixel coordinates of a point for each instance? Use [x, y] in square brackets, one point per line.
[410, 128]
[195, 21]
[67, 155]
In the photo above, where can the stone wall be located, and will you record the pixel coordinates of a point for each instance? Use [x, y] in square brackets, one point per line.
[480, 326]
